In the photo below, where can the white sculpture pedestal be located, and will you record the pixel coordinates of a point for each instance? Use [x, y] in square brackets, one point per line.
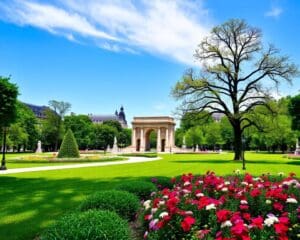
[39, 147]
[297, 151]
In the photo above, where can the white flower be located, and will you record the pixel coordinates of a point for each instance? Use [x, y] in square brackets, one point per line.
[281, 173]
[226, 224]
[200, 182]
[153, 210]
[268, 201]
[160, 203]
[199, 195]
[224, 189]
[270, 220]
[291, 200]
[186, 183]
[227, 183]
[210, 207]
[244, 202]
[147, 204]
[163, 214]
[185, 191]
[165, 196]
[244, 183]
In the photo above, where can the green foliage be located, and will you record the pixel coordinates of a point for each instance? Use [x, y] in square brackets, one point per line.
[60, 107]
[125, 204]
[69, 147]
[193, 119]
[8, 102]
[142, 189]
[102, 136]
[153, 139]
[194, 136]
[294, 110]
[113, 123]
[90, 225]
[52, 130]
[162, 182]
[81, 126]
[124, 137]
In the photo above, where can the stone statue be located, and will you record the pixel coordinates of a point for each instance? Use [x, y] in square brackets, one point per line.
[297, 151]
[197, 148]
[183, 143]
[115, 146]
[39, 147]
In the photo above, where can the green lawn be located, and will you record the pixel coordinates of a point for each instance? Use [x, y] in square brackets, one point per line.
[31, 201]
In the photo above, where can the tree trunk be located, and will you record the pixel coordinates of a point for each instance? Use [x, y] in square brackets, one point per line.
[238, 144]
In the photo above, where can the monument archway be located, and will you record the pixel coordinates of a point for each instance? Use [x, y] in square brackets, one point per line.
[164, 128]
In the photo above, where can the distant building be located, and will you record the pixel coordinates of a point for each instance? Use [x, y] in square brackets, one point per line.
[218, 116]
[39, 111]
[118, 116]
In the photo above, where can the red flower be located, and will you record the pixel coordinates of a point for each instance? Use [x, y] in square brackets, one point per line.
[187, 223]
[223, 215]
[278, 206]
[255, 192]
[239, 229]
[257, 222]
[280, 228]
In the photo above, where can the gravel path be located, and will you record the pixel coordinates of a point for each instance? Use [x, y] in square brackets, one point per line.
[78, 165]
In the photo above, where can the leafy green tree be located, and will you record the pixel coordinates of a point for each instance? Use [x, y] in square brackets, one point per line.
[81, 126]
[52, 130]
[29, 123]
[294, 111]
[102, 136]
[213, 135]
[179, 134]
[8, 111]
[69, 147]
[124, 137]
[60, 107]
[194, 136]
[18, 136]
[113, 123]
[236, 76]
[193, 119]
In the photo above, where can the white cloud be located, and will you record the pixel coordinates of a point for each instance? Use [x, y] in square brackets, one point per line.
[169, 28]
[274, 12]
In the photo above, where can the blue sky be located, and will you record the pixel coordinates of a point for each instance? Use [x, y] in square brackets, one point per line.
[101, 54]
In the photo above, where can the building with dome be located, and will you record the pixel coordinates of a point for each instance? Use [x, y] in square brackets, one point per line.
[118, 116]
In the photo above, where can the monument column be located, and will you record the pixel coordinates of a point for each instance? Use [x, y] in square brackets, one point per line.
[158, 141]
[133, 138]
[142, 140]
[167, 139]
[171, 139]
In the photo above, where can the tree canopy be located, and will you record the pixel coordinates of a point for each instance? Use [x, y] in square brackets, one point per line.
[236, 76]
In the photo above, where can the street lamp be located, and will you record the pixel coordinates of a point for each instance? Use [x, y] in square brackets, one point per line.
[243, 152]
[3, 163]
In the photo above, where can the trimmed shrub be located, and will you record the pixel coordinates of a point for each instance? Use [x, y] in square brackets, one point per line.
[69, 147]
[90, 225]
[142, 189]
[162, 182]
[123, 203]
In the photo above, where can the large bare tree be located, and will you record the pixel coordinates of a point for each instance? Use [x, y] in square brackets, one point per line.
[238, 73]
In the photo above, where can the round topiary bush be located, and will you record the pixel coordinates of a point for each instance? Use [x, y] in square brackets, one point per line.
[90, 225]
[142, 189]
[69, 147]
[123, 203]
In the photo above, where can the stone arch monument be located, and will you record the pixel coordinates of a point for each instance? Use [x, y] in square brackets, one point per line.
[164, 128]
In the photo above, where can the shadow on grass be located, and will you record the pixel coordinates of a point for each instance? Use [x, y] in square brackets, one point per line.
[29, 205]
[212, 161]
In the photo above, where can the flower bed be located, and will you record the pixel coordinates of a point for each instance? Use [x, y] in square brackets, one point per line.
[225, 208]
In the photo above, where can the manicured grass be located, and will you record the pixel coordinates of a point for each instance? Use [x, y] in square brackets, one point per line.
[31, 201]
